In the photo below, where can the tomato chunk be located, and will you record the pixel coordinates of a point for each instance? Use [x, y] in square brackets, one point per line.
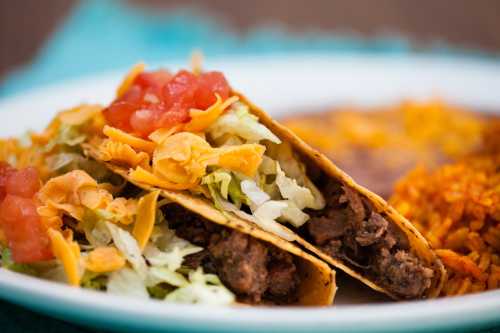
[158, 99]
[118, 115]
[5, 171]
[24, 183]
[181, 89]
[153, 80]
[19, 219]
[133, 95]
[143, 121]
[209, 84]
[23, 229]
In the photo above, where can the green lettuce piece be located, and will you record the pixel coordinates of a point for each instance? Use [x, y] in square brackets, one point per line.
[160, 291]
[236, 196]
[203, 288]
[225, 185]
[239, 121]
[95, 229]
[96, 281]
[67, 136]
[10, 264]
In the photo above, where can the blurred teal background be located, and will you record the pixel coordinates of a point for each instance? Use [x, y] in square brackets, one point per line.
[101, 35]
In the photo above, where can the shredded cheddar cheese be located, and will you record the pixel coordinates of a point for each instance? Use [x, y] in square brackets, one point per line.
[143, 176]
[202, 119]
[68, 252]
[161, 134]
[183, 158]
[79, 115]
[122, 153]
[76, 191]
[127, 82]
[146, 215]
[104, 260]
[116, 134]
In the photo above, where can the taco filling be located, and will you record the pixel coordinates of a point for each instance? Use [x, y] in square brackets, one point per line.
[256, 271]
[349, 230]
[73, 229]
[191, 132]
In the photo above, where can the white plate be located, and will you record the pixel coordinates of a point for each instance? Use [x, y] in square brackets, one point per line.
[279, 85]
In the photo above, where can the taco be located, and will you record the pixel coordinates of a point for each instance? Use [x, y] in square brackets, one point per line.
[191, 134]
[256, 265]
[127, 241]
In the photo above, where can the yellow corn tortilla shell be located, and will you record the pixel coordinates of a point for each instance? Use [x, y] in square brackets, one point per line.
[418, 243]
[318, 285]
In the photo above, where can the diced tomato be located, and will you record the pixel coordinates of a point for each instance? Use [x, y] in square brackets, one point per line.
[209, 84]
[24, 183]
[177, 114]
[5, 171]
[133, 95]
[118, 115]
[144, 121]
[156, 78]
[153, 80]
[158, 99]
[23, 229]
[180, 89]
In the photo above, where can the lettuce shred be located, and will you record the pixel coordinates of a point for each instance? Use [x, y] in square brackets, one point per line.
[239, 121]
[10, 264]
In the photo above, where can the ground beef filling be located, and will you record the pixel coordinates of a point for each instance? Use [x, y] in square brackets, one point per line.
[348, 229]
[255, 271]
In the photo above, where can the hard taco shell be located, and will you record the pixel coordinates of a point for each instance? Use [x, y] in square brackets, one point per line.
[317, 286]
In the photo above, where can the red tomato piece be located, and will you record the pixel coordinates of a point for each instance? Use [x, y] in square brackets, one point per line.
[5, 172]
[153, 81]
[158, 99]
[118, 114]
[143, 121]
[209, 84]
[177, 114]
[23, 229]
[133, 95]
[24, 183]
[180, 89]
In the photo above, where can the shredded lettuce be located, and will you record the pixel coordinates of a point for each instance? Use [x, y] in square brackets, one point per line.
[293, 214]
[235, 193]
[203, 288]
[254, 194]
[239, 121]
[92, 280]
[224, 185]
[299, 195]
[63, 161]
[165, 239]
[67, 135]
[160, 291]
[295, 170]
[95, 229]
[219, 178]
[162, 274]
[10, 264]
[127, 282]
[53, 270]
[128, 246]
[171, 259]
[267, 213]
[268, 166]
